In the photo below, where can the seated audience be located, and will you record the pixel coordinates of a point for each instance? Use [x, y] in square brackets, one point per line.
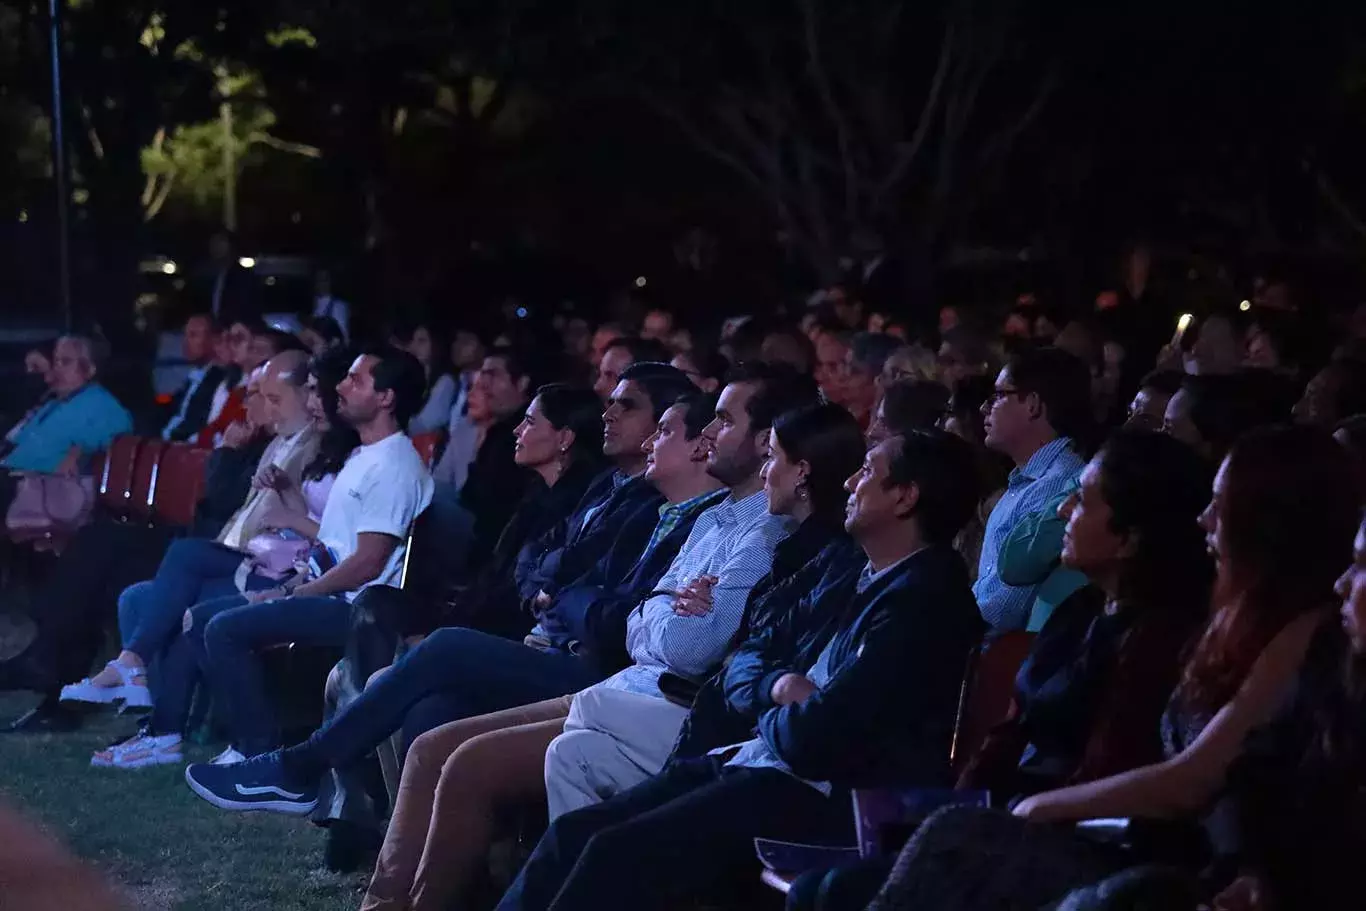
[361, 537]
[705, 367]
[788, 345]
[479, 673]
[1088, 699]
[905, 627]
[37, 389]
[1209, 413]
[622, 353]
[611, 740]
[1337, 391]
[188, 411]
[494, 482]
[908, 405]
[250, 343]
[1149, 406]
[1283, 511]
[1039, 415]
[321, 334]
[424, 344]
[863, 365]
[963, 418]
[601, 538]
[832, 356]
[196, 569]
[963, 353]
[1293, 827]
[909, 362]
[101, 560]
[79, 419]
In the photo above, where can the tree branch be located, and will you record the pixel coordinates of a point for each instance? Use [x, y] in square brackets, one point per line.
[815, 68]
[284, 145]
[909, 151]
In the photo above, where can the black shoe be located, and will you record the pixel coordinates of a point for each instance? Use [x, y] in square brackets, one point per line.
[350, 847]
[47, 717]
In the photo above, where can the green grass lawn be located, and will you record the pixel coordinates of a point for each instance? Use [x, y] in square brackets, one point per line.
[147, 832]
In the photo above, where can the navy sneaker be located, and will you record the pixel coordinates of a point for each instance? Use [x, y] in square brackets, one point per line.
[258, 783]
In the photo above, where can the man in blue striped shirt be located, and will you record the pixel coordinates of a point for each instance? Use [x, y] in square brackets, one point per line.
[620, 731]
[1040, 416]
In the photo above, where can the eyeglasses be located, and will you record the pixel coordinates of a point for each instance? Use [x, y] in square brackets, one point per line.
[998, 395]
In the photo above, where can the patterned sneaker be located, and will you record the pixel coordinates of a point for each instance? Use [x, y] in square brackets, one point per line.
[141, 751]
[259, 783]
[230, 756]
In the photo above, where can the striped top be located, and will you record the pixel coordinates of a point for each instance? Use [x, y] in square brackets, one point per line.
[733, 541]
[1049, 473]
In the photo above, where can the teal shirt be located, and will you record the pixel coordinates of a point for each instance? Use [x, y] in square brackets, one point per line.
[88, 418]
[1030, 555]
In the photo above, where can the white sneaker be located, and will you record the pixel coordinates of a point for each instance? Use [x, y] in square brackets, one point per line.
[230, 756]
[141, 751]
[130, 693]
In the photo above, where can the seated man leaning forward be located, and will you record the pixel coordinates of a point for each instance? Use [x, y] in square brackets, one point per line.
[378, 493]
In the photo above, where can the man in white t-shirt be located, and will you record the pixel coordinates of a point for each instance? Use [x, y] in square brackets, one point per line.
[382, 488]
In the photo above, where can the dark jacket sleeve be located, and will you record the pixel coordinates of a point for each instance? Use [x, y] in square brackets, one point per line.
[787, 629]
[890, 703]
[765, 656]
[609, 549]
[227, 480]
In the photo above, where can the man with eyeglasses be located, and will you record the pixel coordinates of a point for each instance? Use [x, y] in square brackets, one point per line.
[1040, 416]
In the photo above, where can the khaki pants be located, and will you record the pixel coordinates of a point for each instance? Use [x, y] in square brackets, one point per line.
[454, 780]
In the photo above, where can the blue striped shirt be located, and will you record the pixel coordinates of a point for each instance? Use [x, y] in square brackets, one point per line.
[1049, 472]
[733, 541]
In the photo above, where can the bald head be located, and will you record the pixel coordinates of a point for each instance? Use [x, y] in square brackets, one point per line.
[284, 389]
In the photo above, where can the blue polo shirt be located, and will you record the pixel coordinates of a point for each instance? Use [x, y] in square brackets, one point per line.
[89, 418]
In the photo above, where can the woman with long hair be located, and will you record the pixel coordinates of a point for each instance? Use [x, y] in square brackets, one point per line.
[423, 343]
[1279, 525]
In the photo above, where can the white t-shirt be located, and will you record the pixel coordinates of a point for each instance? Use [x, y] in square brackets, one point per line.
[381, 489]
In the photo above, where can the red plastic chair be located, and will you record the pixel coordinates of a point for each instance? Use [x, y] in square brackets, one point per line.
[426, 445]
[178, 483]
[142, 490]
[116, 477]
[987, 688]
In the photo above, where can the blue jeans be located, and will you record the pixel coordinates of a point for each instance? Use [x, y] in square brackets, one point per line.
[454, 673]
[193, 570]
[228, 633]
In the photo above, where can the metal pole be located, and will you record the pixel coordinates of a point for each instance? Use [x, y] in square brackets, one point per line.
[59, 164]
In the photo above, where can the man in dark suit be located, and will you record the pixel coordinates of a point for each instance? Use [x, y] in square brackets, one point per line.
[875, 707]
[188, 410]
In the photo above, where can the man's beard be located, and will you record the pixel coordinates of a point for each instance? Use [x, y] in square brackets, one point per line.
[731, 471]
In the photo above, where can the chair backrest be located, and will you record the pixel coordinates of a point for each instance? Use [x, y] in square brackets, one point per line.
[116, 478]
[987, 689]
[426, 445]
[179, 483]
[142, 491]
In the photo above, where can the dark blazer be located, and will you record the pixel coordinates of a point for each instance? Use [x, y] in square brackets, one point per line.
[590, 616]
[897, 654]
[787, 616]
[493, 602]
[227, 481]
[620, 526]
[197, 413]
